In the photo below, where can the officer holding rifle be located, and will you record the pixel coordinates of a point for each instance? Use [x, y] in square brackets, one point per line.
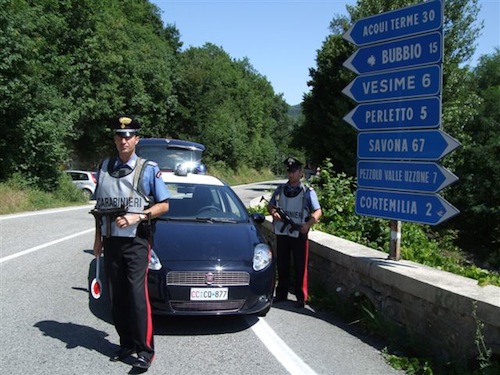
[296, 202]
[130, 192]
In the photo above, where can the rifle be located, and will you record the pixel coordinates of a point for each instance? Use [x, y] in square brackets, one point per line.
[287, 220]
[110, 214]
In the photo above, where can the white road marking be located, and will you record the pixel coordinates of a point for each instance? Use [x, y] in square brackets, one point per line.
[43, 212]
[280, 349]
[24, 252]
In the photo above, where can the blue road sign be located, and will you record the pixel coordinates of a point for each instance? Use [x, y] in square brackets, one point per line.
[407, 83]
[403, 53]
[429, 145]
[400, 114]
[419, 208]
[407, 176]
[416, 19]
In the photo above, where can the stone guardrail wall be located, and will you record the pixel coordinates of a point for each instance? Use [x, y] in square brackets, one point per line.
[434, 306]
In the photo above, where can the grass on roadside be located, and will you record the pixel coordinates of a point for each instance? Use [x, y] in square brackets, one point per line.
[16, 198]
[243, 175]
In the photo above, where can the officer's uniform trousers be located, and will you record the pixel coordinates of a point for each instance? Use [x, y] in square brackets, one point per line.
[298, 249]
[126, 261]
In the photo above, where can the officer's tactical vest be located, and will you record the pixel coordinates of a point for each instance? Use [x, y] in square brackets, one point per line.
[115, 192]
[296, 207]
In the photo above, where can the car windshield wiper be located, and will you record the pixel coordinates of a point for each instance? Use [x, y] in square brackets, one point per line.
[205, 219]
[169, 218]
[215, 220]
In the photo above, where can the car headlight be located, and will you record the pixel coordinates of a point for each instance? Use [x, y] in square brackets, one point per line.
[154, 262]
[262, 256]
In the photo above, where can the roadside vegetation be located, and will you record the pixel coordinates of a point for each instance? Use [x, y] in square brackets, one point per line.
[16, 196]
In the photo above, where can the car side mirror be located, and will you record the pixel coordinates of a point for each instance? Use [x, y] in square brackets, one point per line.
[258, 217]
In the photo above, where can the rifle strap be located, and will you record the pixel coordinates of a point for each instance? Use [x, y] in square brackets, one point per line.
[140, 163]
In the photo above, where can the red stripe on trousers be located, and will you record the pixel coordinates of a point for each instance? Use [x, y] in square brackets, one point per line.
[304, 281]
[149, 329]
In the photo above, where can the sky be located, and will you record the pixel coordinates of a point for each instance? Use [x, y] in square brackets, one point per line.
[281, 38]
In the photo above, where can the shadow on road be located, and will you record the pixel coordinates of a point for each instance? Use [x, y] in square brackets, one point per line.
[201, 325]
[76, 335]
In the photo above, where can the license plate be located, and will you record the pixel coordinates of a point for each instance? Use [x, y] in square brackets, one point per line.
[208, 294]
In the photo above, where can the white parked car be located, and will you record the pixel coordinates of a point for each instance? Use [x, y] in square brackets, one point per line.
[84, 180]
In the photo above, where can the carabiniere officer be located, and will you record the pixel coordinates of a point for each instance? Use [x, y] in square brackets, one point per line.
[129, 179]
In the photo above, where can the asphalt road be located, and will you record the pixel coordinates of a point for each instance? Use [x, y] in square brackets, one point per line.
[49, 325]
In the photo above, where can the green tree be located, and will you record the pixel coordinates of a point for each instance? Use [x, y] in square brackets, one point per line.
[476, 193]
[225, 104]
[66, 68]
[36, 114]
[323, 133]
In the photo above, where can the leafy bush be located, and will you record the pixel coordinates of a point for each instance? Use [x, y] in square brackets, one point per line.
[336, 196]
[17, 196]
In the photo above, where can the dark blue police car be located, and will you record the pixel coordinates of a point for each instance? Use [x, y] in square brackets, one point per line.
[209, 256]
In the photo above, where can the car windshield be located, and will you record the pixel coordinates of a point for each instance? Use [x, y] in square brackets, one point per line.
[168, 158]
[204, 203]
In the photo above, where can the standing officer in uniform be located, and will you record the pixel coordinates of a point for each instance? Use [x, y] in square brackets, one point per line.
[136, 184]
[301, 204]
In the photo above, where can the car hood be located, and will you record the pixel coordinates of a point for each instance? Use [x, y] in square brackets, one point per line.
[193, 241]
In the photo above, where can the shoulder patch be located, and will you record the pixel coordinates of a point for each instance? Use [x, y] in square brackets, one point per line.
[158, 174]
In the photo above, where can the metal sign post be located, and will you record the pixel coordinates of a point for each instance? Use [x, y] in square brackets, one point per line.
[395, 243]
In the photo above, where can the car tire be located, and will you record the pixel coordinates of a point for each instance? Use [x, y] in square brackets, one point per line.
[264, 312]
[87, 194]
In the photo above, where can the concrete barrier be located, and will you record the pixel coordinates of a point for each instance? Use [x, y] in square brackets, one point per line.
[433, 306]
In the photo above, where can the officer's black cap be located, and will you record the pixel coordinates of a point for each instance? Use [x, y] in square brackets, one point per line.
[125, 126]
[292, 164]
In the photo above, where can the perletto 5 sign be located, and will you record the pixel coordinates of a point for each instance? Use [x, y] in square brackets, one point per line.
[399, 87]
[400, 114]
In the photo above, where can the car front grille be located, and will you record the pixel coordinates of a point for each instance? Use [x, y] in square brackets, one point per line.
[207, 306]
[202, 278]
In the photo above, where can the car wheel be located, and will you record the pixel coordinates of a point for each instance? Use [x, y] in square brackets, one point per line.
[87, 194]
[264, 312]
